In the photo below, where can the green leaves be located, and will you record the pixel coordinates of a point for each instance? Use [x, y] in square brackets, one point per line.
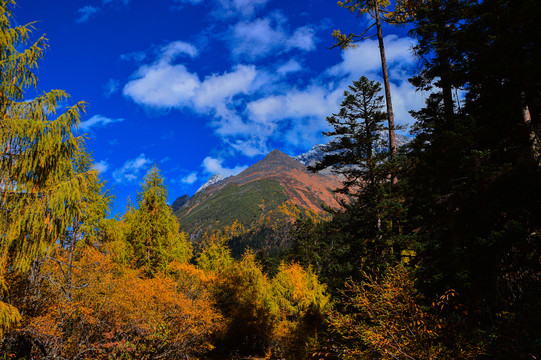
[153, 230]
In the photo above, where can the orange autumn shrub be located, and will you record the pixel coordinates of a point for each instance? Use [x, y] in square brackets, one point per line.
[115, 312]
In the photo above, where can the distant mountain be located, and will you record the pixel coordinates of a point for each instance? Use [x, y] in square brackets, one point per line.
[317, 152]
[264, 198]
[313, 156]
[258, 196]
[180, 202]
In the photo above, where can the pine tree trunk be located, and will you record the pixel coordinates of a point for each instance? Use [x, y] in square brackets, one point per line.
[386, 83]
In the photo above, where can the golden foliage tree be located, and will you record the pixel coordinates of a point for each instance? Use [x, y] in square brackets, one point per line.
[42, 184]
[303, 305]
[115, 312]
[384, 319]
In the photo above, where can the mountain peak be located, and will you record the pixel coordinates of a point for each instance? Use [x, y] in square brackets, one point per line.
[275, 161]
[277, 155]
[216, 178]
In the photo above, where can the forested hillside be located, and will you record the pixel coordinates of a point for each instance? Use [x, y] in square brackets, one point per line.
[428, 251]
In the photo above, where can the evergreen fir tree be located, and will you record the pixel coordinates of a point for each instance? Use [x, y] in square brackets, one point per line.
[474, 194]
[361, 234]
[153, 230]
[373, 8]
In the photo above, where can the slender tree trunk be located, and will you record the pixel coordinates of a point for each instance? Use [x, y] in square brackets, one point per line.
[534, 136]
[69, 280]
[443, 37]
[386, 83]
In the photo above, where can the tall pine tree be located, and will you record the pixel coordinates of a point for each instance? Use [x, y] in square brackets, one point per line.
[474, 194]
[362, 234]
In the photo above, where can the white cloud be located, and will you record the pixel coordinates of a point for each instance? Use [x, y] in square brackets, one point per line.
[85, 13]
[101, 166]
[251, 146]
[172, 50]
[190, 178]
[224, 9]
[303, 39]
[97, 121]
[165, 84]
[261, 37]
[162, 85]
[214, 166]
[111, 87]
[132, 169]
[249, 107]
[289, 67]
[365, 58]
[216, 89]
[311, 102]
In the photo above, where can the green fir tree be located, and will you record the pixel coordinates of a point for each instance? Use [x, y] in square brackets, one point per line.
[153, 230]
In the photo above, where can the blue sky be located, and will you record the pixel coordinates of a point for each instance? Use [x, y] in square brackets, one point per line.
[203, 87]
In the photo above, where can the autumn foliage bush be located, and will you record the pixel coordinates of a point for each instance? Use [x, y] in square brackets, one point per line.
[114, 312]
[383, 317]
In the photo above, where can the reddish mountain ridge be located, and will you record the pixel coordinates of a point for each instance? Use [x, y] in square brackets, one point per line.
[304, 188]
[256, 192]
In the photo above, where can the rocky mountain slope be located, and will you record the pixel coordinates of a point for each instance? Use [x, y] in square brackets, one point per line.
[258, 191]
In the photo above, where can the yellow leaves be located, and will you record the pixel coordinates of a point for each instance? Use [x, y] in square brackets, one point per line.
[343, 41]
[117, 312]
[9, 317]
[360, 7]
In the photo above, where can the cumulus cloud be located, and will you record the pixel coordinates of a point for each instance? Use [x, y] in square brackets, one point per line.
[101, 166]
[214, 166]
[365, 59]
[165, 84]
[291, 66]
[162, 85]
[249, 106]
[303, 39]
[97, 121]
[215, 91]
[132, 169]
[258, 38]
[190, 178]
[176, 48]
[85, 13]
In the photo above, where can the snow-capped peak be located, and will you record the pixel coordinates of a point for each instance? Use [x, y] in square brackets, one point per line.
[213, 180]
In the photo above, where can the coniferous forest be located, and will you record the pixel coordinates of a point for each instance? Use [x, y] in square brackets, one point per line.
[435, 252]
